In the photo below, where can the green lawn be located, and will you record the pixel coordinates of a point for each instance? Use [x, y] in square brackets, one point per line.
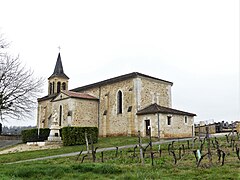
[124, 166]
[102, 143]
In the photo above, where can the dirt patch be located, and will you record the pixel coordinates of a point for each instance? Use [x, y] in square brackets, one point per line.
[24, 147]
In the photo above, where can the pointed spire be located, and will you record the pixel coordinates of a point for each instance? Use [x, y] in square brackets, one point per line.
[58, 70]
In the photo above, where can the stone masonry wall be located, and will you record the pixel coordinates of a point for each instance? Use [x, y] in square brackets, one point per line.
[44, 112]
[85, 113]
[178, 127]
[153, 91]
[110, 122]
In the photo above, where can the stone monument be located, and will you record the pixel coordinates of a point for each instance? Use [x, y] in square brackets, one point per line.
[54, 135]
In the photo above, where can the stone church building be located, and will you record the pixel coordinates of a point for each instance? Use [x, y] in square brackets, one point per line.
[118, 106]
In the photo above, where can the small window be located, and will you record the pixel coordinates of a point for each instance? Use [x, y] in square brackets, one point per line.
[169, 119]
[185, 119]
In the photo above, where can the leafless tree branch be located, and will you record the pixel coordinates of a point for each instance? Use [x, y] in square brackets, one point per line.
[18, 87]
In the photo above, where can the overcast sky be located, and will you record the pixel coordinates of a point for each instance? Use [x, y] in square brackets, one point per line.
[192, 43]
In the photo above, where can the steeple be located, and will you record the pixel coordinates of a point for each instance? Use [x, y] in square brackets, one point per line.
[58, 80]
[58, 70]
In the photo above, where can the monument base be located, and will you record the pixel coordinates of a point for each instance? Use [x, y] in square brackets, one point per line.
[55, 139]
[54, 136]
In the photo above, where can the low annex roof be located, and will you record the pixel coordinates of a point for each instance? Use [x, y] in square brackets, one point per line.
[118, 79]
[155, 108]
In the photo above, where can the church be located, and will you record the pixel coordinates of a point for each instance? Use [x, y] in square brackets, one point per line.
[119, 106]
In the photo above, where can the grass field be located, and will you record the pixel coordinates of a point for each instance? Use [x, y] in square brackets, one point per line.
[124, 165]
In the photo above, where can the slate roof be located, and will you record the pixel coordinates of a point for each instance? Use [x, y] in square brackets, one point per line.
[118, 79]
[155, 108]
[58, 70]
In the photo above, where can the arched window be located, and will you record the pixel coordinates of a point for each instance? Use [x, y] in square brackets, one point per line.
[53, 88]
[119, 102]
[50, 88]
[64, 86]
[60, 116]
[58, 87]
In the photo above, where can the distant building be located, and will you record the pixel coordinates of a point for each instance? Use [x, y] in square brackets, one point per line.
[121, 105]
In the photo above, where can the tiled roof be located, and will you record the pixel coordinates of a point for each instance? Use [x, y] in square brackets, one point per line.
[58, 70]
[118, 79]
[70, 94]
[155, 108]
[79, 95]
[52, 96]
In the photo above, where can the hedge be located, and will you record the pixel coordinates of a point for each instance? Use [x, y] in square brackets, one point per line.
[31, 135]
[76, 135]
[70, 135]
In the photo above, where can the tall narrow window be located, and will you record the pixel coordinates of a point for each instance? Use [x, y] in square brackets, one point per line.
[60, 116]
[64, 86]
[119, 102]
[50, 88]
[58, 87]
[53, 88]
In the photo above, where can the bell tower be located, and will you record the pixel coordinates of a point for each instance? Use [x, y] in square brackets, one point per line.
[58, 80]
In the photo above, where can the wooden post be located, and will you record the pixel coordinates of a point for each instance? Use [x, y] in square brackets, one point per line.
[86, 139]
[183, 148]
[199, 128]
[93, 152]
[158, 127]
[152, 157]
[193, 135]
[134, 151]
[140, 147]
[208, 144]
[116, 155]
[150, 138]
[232, 131]
[102, 156]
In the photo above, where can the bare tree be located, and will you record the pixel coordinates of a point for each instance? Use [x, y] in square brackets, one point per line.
[3, 44]
[18, 87]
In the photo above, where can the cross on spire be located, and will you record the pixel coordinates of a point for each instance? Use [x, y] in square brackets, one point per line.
[59, 48]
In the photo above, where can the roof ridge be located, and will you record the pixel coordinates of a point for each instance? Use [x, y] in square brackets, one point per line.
[117, 79]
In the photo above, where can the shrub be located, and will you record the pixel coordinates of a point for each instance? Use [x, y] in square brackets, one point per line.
[76, 135]
[31, 135]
